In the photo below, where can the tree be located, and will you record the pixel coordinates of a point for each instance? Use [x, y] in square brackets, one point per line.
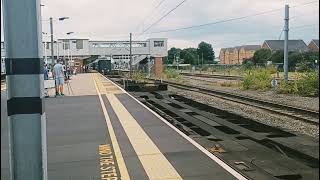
[261, 56]
[206, 50]
[248, 64]
[293, 59]
[277, 57]
[304, 61]
[172, 53]
[189, 55]
[311, 57]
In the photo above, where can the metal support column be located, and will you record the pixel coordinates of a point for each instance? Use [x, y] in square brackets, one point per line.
[130, 55]
[25, 105]
[51, 34]
[286, 37]
[149, 66]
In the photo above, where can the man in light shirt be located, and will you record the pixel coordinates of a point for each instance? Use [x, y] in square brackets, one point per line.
[58, 74]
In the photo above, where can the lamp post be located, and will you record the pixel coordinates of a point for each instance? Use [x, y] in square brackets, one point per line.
[45, 49]
[69, 52]
[51, 32]
[68, 58]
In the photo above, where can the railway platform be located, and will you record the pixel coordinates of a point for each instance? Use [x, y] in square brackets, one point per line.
[99, 131]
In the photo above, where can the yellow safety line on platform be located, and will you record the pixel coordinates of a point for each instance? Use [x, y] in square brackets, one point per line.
[121, 164]
[154, 162]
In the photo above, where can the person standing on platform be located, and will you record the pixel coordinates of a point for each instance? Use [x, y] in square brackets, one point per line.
[58, 74]
[45, 72]
[46, 77]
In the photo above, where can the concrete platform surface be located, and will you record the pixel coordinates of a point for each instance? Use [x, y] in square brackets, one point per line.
[101, 132]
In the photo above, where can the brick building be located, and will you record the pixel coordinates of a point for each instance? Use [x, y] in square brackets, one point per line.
[228, 55]
[236, 55]
[247, 52]
[293, 45]
[222, 56]
[314, 45]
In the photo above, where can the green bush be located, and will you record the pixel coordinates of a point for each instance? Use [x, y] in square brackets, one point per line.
[272, 69]
[247, 65]
[287, 88]
[138, 76]
[303, 67]
[306, 85]
[259, 79]
[172, 74]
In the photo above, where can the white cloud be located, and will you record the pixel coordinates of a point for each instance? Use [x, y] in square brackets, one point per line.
[114, 19]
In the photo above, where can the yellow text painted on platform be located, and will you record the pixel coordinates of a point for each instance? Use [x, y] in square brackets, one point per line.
[108, 168]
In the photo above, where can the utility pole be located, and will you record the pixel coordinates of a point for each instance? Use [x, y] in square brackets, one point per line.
[149, 67]
[45, 52]
[51, 34]
[177, 61]
[202, 61]
[286, 37]
[130, 55]
[24, 68]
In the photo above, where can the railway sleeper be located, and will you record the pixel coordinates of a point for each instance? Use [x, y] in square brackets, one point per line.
[205, 140]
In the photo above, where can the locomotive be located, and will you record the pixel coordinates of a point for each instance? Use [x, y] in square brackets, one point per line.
[102, 65]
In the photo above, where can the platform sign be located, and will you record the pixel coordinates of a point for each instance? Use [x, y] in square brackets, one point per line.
[274, 83]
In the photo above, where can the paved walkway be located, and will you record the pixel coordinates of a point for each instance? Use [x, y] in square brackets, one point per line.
[101, 132]
[79, 85]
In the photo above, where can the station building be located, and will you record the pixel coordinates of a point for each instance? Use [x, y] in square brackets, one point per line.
[76, 50]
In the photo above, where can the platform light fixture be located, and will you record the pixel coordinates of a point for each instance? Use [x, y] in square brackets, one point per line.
[63, 18]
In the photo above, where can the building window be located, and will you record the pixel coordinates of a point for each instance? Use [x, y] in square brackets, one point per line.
[2, 45]
[79, 44]
[77, 64]
[47, 45]
[66, 44]
[158, 44]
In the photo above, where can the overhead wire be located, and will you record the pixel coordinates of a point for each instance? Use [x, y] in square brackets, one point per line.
[229, 20]
[164, 16]
[233, 19]
[151, 13]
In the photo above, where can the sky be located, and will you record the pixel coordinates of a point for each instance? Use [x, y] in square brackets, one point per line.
[115, 19]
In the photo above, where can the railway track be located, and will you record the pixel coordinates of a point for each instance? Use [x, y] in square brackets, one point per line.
[215, 76]
[256, 150]
[281, 109]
